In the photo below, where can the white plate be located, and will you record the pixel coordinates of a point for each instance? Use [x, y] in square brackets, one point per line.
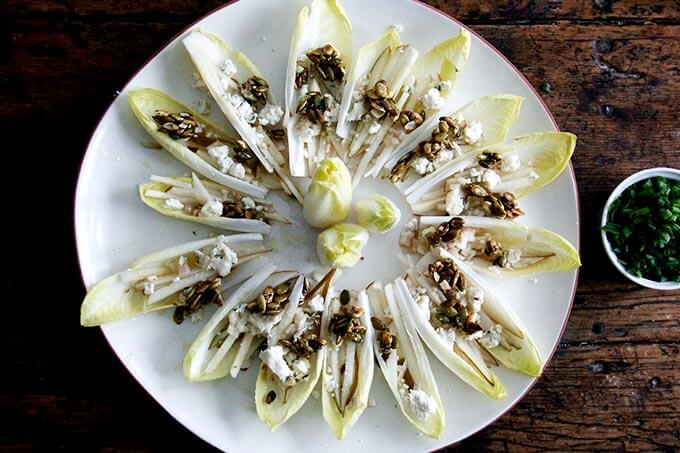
[113, 226]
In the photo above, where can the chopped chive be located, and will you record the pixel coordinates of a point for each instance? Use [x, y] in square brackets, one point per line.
[643, 229]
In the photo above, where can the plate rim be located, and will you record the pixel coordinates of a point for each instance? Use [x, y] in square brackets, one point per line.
[86, 156]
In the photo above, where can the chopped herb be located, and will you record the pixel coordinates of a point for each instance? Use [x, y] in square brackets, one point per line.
[643, 228]
[546, 87]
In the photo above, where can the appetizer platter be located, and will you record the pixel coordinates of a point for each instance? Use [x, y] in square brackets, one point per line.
[330, 228]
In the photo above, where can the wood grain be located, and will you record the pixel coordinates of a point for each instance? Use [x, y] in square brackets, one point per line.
[614, 68]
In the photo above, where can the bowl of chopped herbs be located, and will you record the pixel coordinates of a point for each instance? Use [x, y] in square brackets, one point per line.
[641, 228]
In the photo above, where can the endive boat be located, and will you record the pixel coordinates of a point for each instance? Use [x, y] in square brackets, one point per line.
[208, 203]
[369, 103]
[292, 362]
[243, 95]
[425, 92]
[492, 246]
[247, 318]
[481, 123]
[185, 277]
[348, 364]
[320, 51]
[465, 324]
[488, 181]
[198, 142]
[403, 361]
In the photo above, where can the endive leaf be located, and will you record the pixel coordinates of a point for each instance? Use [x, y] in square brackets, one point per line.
[549, 153]
[441, 63]
[209, 52]
[226, 223]
[556, 252]
[288, 399]
[144, 102]
[364, 61]
[490, 386]
[497, 114]
[198, 356]
[322, 23]
[523, 355]
[113, 298]
[410, 349]
[342, 421]
[544, 153]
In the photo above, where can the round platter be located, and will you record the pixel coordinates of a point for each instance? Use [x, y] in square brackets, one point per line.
[113, 227]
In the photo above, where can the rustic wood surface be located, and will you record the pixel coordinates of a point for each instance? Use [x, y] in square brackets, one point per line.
[614, 68]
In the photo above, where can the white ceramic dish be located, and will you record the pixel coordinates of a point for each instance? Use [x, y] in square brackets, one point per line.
[113, 226]
[671, 173]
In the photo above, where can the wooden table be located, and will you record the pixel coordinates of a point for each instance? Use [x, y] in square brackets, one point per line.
[614, 69]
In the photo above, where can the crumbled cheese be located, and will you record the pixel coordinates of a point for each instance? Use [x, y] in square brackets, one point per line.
[174, 203]
[307, 131]
[237, 322]
[455, 200]
[492, 338]
[330, 383]
[228, 68]
[263, 324]
[299, 324]
[273, 358]
[248, 202]
[316, 304]
[398, 27]
[220, 154]
[237, 171]
[433, 99]
[514, 255]
[374, 128]
[243, 107]
[202, 106]
[150, 285]
[448, 335]
[422, 166]
[371, 402]
[533, 280]
[510, 163]
[422, 300]
[533, 175]
[358, 108]
[182, 266]
[491, 179]
[442, 157]
[466, 236]
[330, 115]
[473, 132]
[212, 208]
[220, 258]
[301, 366]
[422, 404]
[408, 233]
[270, 115]
[475, 299]
[197, 316]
